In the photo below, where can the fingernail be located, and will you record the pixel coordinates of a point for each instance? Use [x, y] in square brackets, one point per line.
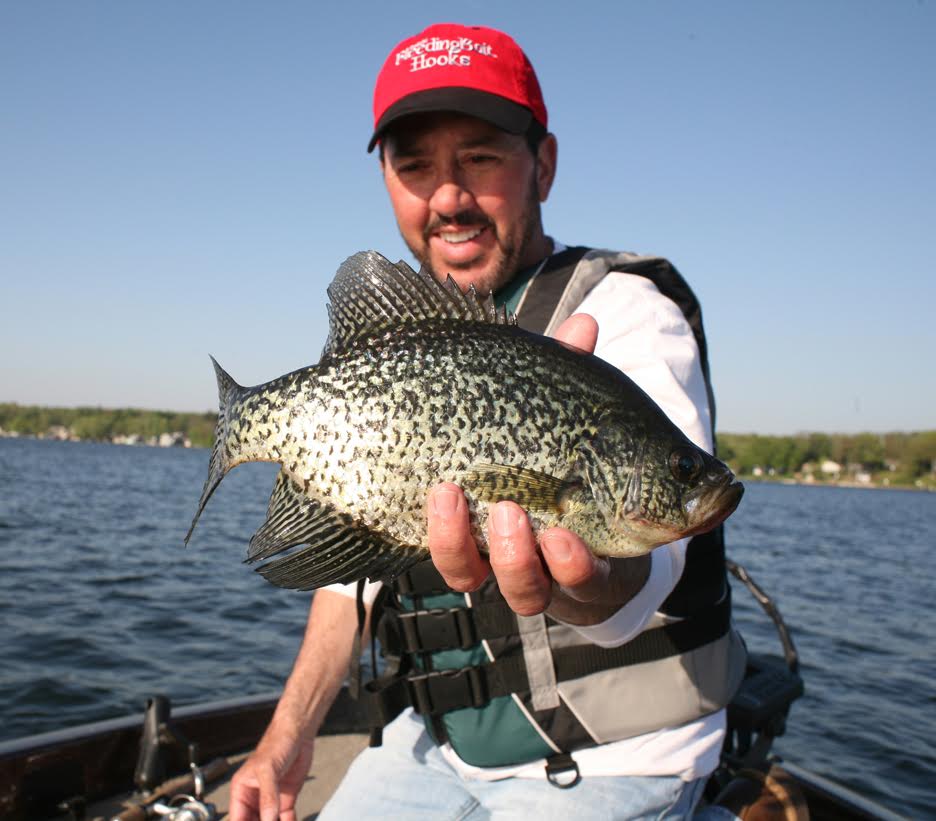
[444, 503]
[556, 547]
[505, 520]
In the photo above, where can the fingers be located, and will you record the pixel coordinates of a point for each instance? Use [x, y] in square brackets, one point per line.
[267, 784]
[451, 545]
[527, 574]
[292, 781]
[580, 331]
[247, 795]
[562, 575]
[580, 574]
[243, 807]
[269, 793]
[515, 560]
[241, 810]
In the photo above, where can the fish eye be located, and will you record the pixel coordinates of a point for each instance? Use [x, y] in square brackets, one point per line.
[685, 464]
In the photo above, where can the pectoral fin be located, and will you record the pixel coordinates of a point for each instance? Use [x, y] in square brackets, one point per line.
[530, 489]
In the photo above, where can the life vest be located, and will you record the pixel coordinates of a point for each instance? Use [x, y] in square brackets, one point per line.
[507, 689]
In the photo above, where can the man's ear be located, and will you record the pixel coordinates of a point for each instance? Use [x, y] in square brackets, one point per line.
[546, 159]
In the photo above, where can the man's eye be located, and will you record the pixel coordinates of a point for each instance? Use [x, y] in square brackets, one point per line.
[481, 159]
[411, 168]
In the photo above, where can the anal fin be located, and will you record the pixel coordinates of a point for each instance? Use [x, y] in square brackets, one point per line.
[335, 548]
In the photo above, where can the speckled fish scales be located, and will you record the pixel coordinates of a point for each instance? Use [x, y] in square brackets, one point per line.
[419, 384]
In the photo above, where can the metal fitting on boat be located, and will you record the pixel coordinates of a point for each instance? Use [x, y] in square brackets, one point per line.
[185, 808]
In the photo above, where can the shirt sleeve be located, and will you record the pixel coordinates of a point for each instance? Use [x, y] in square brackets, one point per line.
[371, 589]
[645, 335]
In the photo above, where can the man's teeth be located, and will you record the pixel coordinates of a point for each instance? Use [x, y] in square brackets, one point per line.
[461, 236]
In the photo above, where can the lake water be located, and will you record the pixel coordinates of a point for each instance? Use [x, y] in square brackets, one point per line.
[102, 606]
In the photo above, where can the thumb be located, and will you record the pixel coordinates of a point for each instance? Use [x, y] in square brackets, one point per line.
[579, 331]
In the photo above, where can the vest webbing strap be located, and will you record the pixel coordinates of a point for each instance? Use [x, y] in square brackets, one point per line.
[442, 628]
[421, 579]
[428, 631]
[546, 289]
[440, 691]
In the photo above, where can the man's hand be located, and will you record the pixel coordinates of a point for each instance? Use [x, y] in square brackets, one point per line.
[268, 782]
[560, 576]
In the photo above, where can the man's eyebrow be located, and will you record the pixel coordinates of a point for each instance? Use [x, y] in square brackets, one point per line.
[417, 147]
[407, 149]
[484, 141]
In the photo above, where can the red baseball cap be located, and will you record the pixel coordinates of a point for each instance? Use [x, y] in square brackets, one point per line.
[469, 69]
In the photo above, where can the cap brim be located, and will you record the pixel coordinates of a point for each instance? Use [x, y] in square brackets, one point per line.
[505, 114]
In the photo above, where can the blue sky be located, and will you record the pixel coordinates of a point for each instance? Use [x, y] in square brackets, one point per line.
[183, 178]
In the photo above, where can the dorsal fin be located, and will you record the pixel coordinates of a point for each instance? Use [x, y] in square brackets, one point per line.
[370, 294]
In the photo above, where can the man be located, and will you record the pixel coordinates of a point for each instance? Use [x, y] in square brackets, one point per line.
[467, 160]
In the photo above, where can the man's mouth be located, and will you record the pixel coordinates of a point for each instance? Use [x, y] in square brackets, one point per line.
[457, 237]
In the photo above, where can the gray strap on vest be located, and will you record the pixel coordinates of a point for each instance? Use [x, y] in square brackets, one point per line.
[545, 289]
[550, 298]
[588, 273]
[539, 663]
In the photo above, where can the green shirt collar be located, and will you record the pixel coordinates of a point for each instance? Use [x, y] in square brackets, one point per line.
[510, 295]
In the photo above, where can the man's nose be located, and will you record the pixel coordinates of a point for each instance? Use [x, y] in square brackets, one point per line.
[451, 196]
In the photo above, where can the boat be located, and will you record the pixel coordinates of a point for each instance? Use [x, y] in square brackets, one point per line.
[177, 763]
[129, 769]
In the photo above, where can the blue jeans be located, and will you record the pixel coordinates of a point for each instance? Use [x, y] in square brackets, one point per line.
[407, 778]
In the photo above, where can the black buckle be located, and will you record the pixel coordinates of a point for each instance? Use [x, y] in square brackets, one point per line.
[442, 691]
[421, 580]
[562, 771]
[425, 631]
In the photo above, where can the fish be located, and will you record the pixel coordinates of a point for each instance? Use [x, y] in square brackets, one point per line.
[419, 383]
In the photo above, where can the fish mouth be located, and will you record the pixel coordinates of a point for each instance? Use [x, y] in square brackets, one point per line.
[713, 504]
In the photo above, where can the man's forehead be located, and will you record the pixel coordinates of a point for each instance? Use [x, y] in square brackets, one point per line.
[420, 133]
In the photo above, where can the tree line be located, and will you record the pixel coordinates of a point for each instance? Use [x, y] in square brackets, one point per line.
[905, 457]
[104, 424]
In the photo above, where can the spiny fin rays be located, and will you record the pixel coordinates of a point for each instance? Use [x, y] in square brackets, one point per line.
[369, 294]
[336, 551]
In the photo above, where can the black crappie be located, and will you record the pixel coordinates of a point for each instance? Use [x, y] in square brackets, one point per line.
[420, 384]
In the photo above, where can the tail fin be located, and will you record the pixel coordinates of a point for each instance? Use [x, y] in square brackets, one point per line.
[219, 464]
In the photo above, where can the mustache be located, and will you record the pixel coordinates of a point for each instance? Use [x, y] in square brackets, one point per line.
[467, 219]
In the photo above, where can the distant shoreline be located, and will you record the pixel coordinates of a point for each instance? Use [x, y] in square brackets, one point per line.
[174, 439]
[756, 480]
[747, 478]
[126, 426]
[885, 460]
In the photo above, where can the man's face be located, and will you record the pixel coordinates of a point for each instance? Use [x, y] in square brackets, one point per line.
[467, 196]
